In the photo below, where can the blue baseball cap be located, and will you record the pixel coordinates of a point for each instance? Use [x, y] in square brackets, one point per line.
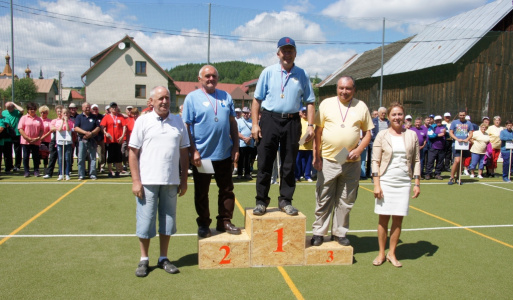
[431, 116]
[286, 41]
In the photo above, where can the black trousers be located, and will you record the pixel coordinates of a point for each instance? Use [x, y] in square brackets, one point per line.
[283, 133]
[438, 155]
[7, 151]
[225, 199]
[448, 154]
[53, 158]
[244, 161]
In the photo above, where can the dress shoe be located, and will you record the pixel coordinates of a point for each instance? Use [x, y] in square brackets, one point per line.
[289, 210]
[394, 262]
[439, 177]
[259, 210]
[317, 240]
[427, 177]
[204, 232]
[228, 227]
[342, 240]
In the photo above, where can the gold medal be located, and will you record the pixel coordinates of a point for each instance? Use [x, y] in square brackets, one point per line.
[282, 96]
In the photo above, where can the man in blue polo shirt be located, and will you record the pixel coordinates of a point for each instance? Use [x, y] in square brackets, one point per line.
[281, 91]
[209, 116]
[461, 131]
[506, 136]
[87, 127]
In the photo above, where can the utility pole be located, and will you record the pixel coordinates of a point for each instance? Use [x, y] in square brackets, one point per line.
[60, 88]
[382, 63]
[208, 48]
[12, 52]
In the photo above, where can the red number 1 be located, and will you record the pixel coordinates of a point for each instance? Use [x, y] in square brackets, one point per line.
[279, 248]
[225, 261]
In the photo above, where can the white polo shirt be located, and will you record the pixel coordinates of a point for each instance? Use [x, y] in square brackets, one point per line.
[159, 143]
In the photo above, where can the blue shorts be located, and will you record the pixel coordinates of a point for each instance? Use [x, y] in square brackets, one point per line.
[161, 198]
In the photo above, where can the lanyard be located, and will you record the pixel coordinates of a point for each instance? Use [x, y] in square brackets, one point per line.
[215, 98]
[344, 116]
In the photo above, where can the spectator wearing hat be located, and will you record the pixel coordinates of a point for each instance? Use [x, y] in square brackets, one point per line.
[448, 142]
[114, 130]
[422, 135]
[305, 154]
[282, 89]
[494, 131]
[238, 113]
[436, 134]
[246, 144]
[407, 122]
[480, 140]
[506, 137]
[486, 121]
[461, 131]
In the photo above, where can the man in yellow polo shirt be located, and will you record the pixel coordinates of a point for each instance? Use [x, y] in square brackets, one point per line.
[338, 124]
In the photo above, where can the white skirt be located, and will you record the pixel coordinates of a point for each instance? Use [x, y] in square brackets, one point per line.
[396, 185]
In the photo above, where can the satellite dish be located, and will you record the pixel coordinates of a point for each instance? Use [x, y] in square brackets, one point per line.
[121, 46]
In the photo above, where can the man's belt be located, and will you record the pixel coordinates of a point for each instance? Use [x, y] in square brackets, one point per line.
[281, 115]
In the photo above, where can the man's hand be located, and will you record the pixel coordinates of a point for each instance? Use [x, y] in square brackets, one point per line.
[311, 134]
[138, 190]
[235, 155]
[196, 159]
[182, 188]
[317, 163]
[120, 140]
[256, 133]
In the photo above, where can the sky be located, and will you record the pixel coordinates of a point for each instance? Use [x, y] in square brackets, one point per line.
[62, 35]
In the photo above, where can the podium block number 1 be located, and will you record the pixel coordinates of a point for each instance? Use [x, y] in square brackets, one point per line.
[225, 261]
[279, 247]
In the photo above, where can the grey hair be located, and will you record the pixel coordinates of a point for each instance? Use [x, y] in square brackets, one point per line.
[205, 66]
[153, 90]
[382, 109]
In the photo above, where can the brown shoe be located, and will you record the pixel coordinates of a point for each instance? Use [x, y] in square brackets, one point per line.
[228, 227]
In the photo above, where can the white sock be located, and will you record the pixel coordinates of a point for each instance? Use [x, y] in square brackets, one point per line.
[145, 258]
[162, 258]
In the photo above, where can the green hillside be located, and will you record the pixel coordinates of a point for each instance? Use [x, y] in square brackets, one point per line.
[229, 71]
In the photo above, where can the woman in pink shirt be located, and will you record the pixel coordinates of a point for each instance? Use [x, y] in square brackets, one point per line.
[31, 130]
[46, 138]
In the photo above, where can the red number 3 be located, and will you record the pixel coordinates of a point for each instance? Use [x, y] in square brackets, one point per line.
[225, 261]
[330, 256]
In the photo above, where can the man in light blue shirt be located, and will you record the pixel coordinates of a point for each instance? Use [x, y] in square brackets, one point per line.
[209, 116]
[246, 144]
[282, 89]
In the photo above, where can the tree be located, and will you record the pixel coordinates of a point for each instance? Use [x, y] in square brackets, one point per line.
[24, 90]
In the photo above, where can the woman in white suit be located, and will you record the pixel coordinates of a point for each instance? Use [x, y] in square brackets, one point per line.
[395, 160]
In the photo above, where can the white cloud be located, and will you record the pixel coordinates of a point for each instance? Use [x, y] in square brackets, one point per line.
[302, 6]
[402, 15]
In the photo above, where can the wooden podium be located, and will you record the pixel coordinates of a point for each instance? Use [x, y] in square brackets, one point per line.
[274, 239]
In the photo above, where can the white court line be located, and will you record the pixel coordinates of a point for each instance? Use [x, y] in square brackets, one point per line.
[194, 234]
[497, 187]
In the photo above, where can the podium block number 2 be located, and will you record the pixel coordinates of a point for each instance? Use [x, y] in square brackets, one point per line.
[279, 247]
[225, 261]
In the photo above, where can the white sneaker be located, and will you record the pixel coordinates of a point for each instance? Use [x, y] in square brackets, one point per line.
[59, 178]
[471, 176]
[92, 177]
[465, 172]
[309, 180]
[46, 177]
[67, 177]
[479, 176]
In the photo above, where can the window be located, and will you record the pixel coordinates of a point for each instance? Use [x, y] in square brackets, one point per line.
[140, 91]
[140, 68]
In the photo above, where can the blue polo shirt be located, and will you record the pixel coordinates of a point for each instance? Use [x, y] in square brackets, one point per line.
[297, 89]
[86, 123]
[244, 128]
[212, 138]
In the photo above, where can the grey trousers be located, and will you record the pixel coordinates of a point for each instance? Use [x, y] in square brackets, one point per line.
[336, 190]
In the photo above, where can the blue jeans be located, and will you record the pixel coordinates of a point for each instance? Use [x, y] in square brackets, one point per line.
[505, 164]
[476, 158]
[304, 164]
[86, 146]
[67, 159]
[161, 199]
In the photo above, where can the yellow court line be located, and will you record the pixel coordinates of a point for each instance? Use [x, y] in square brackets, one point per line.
[40, 213]
[284, 273]
[455, 224]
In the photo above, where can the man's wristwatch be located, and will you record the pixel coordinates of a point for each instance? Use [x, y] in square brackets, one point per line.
[310, 125]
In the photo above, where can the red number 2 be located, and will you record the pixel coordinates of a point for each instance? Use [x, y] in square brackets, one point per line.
[225, 261]
[279, 248]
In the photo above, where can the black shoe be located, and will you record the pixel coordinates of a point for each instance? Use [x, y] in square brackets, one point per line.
[168, 266]
[116, 175]
[259, 210]
[239, 177]
[204, 232]
[228, 227]
[439, 177]
[110, 175]
[342, 240]
[248, 177]
[142, 269]
[289, 210]
[427, 177]
[317, 240]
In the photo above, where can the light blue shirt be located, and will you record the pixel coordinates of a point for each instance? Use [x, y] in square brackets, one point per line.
[505, 135]
[245, 129]
[297, 90]
[212, 138]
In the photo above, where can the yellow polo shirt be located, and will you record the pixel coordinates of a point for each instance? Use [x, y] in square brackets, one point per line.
[334, 136]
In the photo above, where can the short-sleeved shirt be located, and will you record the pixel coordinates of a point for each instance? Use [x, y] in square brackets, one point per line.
[4, 126]
[159, 142]
[460, 129]
[506, 135]
[46, 129]
[438, 142]
[86, 123]
[212, 138]
[56, 123]
[12, 118]
[99, 118]
[421, 134]
[32, 127]
[304, 128]
[130, 121]
[334, 136]
[244, 128]
[495, 133]
[480, 141]
[297, 89]
[114, 126]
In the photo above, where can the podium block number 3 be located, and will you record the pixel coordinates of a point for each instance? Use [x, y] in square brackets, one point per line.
[330, 257]
[225, 261]
[279, 247]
